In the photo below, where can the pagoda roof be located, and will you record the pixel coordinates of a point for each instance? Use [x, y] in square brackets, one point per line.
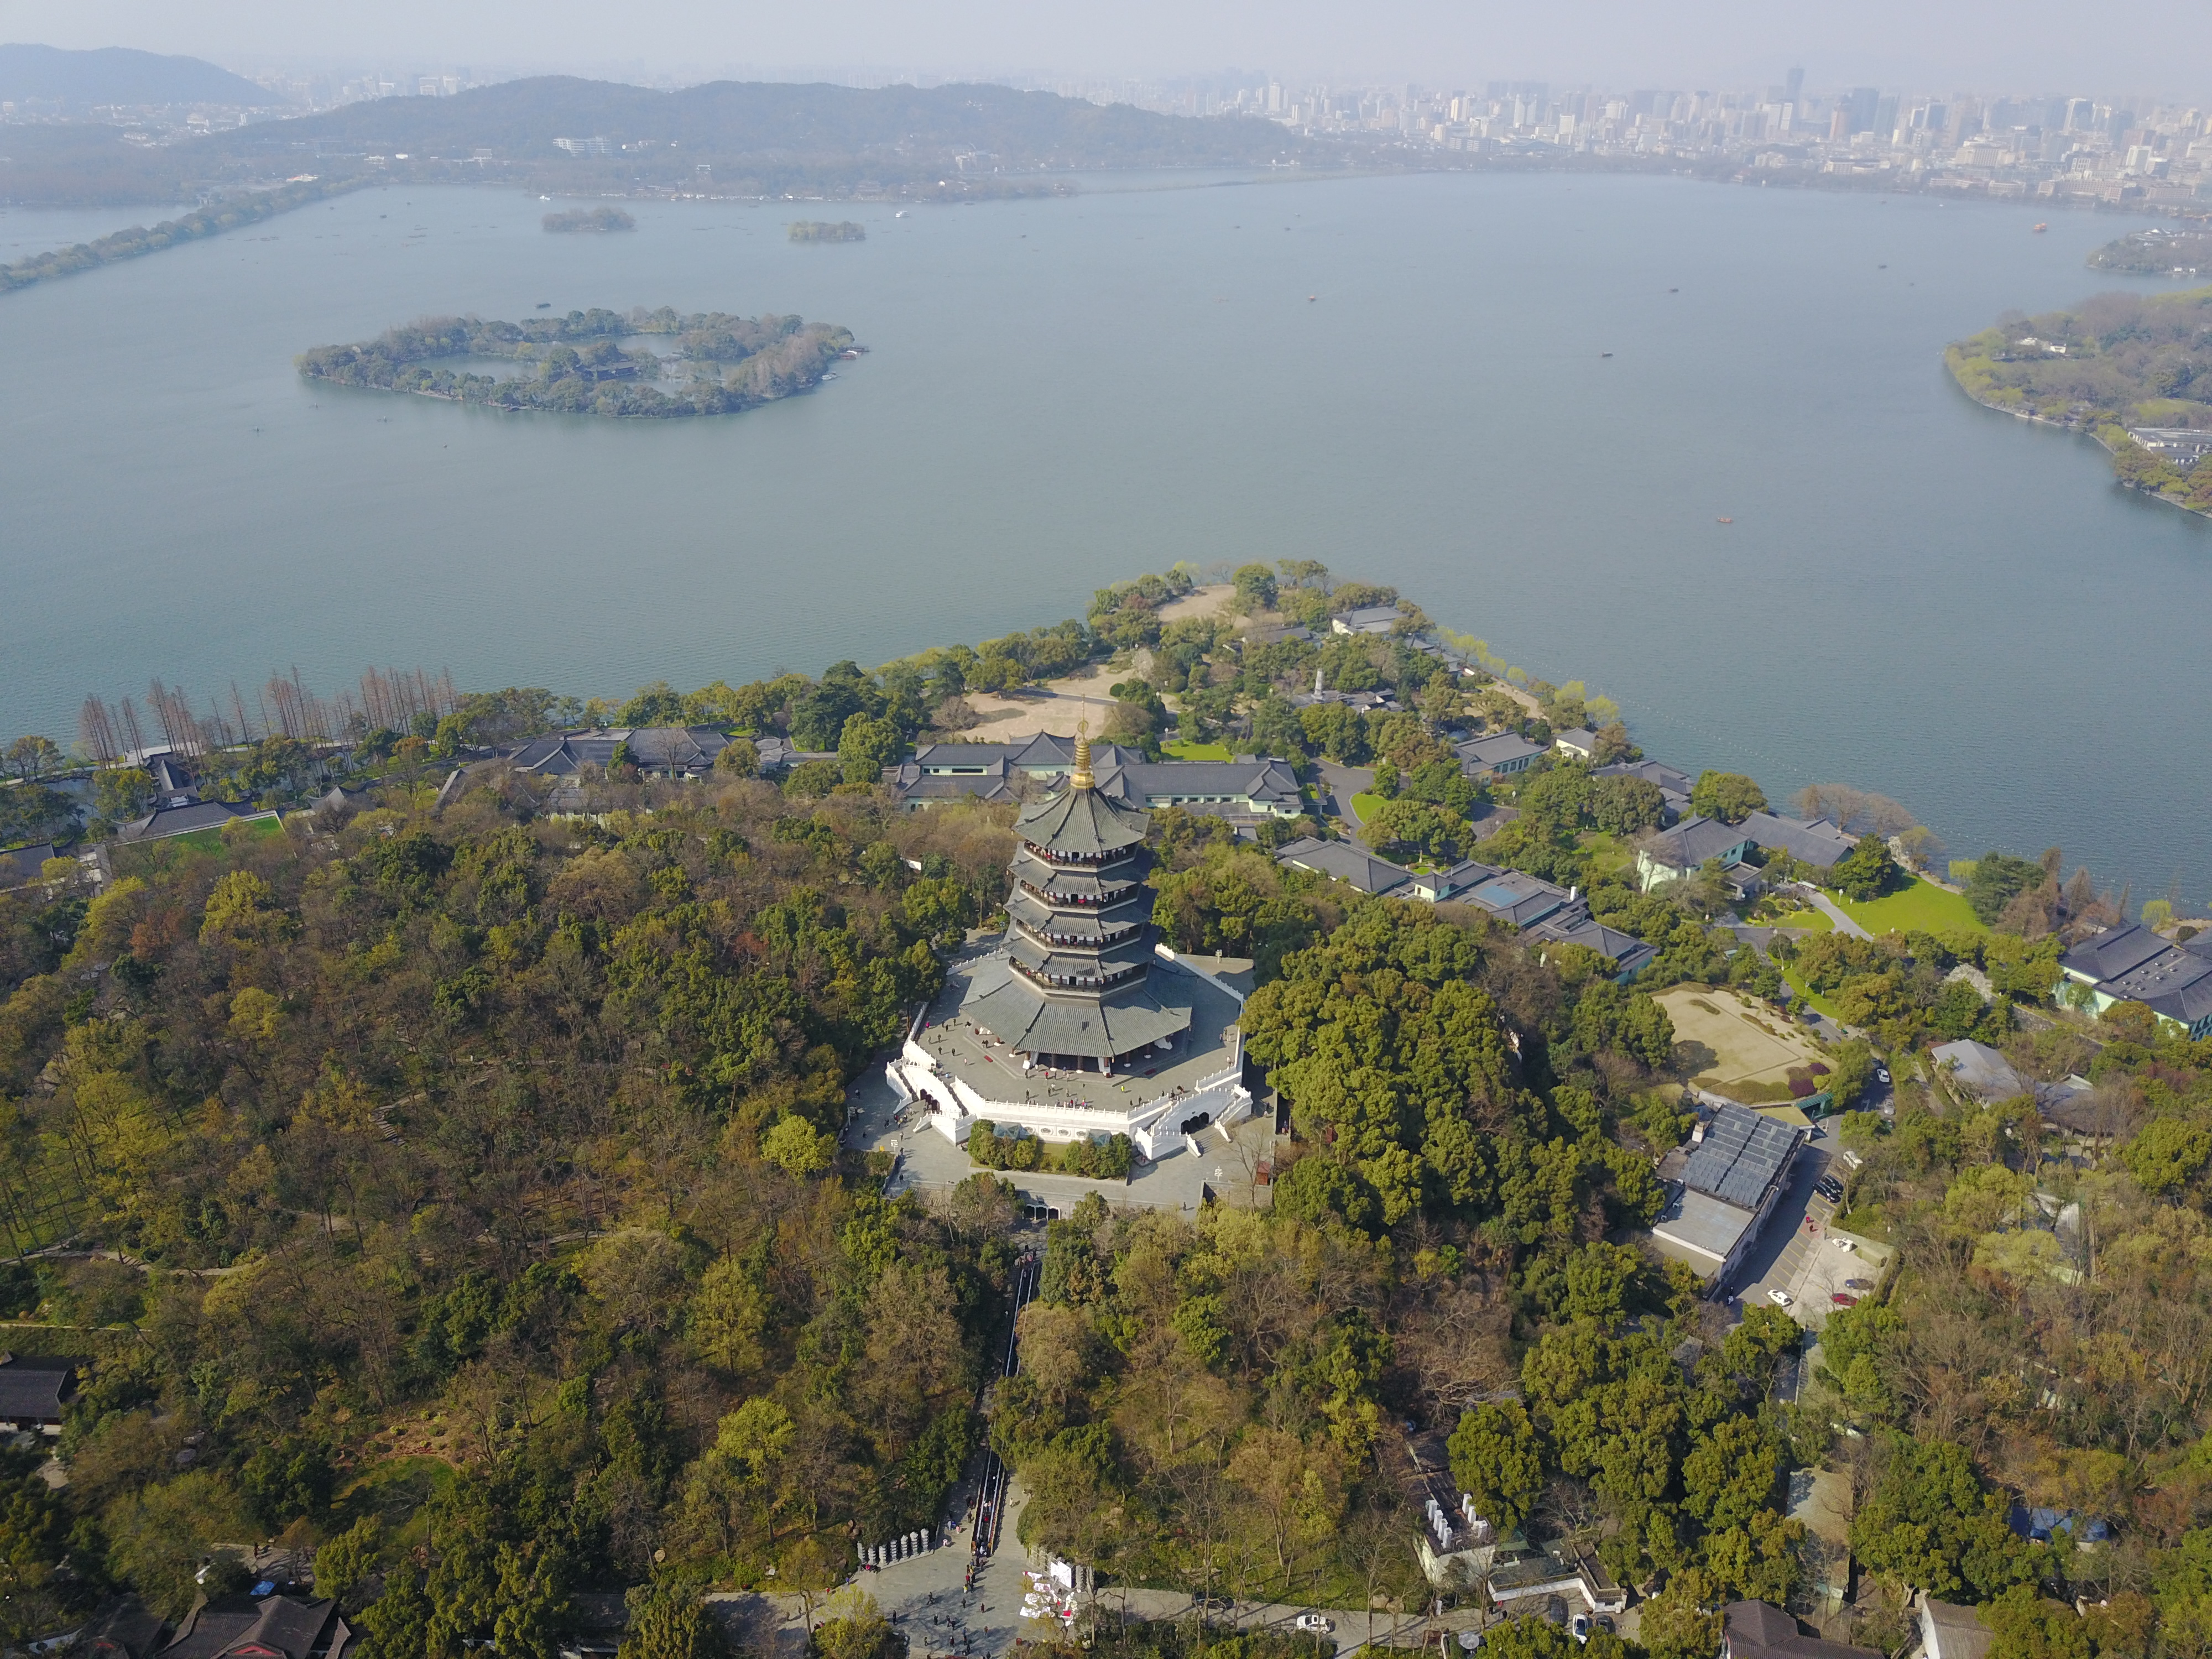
[1092, 921]
[1031, 1020]
[1080, 823]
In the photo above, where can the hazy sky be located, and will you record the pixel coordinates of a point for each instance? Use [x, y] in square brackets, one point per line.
[2161, 46]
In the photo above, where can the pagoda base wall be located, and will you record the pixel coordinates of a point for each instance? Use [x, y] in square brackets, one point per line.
[955, 1106]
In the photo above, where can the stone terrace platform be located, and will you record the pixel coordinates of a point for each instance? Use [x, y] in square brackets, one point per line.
[965, 1078]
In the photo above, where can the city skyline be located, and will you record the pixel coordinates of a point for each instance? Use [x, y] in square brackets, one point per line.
[2023, 48]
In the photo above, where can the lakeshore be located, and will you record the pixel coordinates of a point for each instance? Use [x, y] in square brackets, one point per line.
[920, 503]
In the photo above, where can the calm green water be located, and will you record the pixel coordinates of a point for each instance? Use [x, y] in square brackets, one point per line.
[1914, 595]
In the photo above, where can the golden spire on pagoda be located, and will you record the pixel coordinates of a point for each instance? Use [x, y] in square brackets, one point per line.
[1081, 778]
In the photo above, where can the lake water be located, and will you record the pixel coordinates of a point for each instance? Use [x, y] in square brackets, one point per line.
[1405, 378]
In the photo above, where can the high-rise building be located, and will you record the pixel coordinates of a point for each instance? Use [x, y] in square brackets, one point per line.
[1793, 87]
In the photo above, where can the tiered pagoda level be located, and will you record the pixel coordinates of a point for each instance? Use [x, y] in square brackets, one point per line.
[1078, 942]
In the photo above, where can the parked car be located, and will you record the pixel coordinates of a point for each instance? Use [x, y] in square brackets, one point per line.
[1881, 1074]
[1780, 1297]
[1318, 1623]
[1858, 1284]
[1843, 1301]
[1581, 1628]
[1839, 1242]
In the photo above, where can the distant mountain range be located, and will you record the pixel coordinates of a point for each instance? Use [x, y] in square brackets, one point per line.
[895, 131]
[117, 74]
[731, 137]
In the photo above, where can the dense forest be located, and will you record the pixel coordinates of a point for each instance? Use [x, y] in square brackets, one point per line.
[458, 1194]
[2116, 361]
[722, 364]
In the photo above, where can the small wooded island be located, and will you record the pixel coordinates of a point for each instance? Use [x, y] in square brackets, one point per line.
[821, 230]
[716, 363]
[2133, 372]
[2156, 252]
[590, 219]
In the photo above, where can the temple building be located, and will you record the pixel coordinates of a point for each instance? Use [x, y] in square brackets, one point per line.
[1076, 991]
[1076, 1022]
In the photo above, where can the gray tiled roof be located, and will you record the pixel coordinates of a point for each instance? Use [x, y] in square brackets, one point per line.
[1817, 842]
[1517, 896]
[1627, 953]
[165, 821]
[1031, 1020]
[1674, 783]
[1694, 840]
[1344, 862]
[21, 865]
[1741, 1156]
[1080, 822]
[2115, 951]
[289, 1625]
[33, 1387]
[1499, 749]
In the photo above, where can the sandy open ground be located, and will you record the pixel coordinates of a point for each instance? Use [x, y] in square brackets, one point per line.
[1056, 706]
[1750, 1047]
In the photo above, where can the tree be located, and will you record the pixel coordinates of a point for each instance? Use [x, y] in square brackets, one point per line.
[1728, 796]
[349, 1559]
[1729, 1475]
[121, 793]
[1852, 1071]
[739, 758]
[1623, 805]
[669, 1620]
[1997, 879]
[1256, 588]
[1276, 730]
[1680, 1622]
[1495, 1458]
[2166, 1155]
[31, 757]
[397, 1623]
[1320, 1191]
[1866, 871]
[795, 1145]
[867, 746]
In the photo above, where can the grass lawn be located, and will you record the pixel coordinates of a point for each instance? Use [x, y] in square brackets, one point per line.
[1365, 806]
[1923, 907]
[1812, 922]
[1818, 1004]
[1195, 751]
[1608, 855]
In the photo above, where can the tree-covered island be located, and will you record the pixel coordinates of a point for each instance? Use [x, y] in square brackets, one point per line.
[2157, 251]
[2133, 371]
[578, 364]
[589, 219]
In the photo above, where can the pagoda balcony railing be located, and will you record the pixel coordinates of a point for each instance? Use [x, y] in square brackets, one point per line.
[1076, 900]
[1074, 981]
[1103, 936]
[1088, 861]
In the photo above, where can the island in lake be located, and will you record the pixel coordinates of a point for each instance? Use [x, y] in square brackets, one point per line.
[2133, 372]
[821, 230]
[712, 362]
[2156, 252]
[590, 219]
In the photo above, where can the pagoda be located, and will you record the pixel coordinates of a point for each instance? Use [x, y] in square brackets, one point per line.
[1075, 989]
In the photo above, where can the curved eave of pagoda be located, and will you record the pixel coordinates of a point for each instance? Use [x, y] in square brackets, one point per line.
[1079, 921]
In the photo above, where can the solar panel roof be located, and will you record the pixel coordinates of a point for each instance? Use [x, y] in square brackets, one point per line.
[1739, 1156]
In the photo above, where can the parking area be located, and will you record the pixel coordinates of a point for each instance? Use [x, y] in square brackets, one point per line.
[1800, 1253]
